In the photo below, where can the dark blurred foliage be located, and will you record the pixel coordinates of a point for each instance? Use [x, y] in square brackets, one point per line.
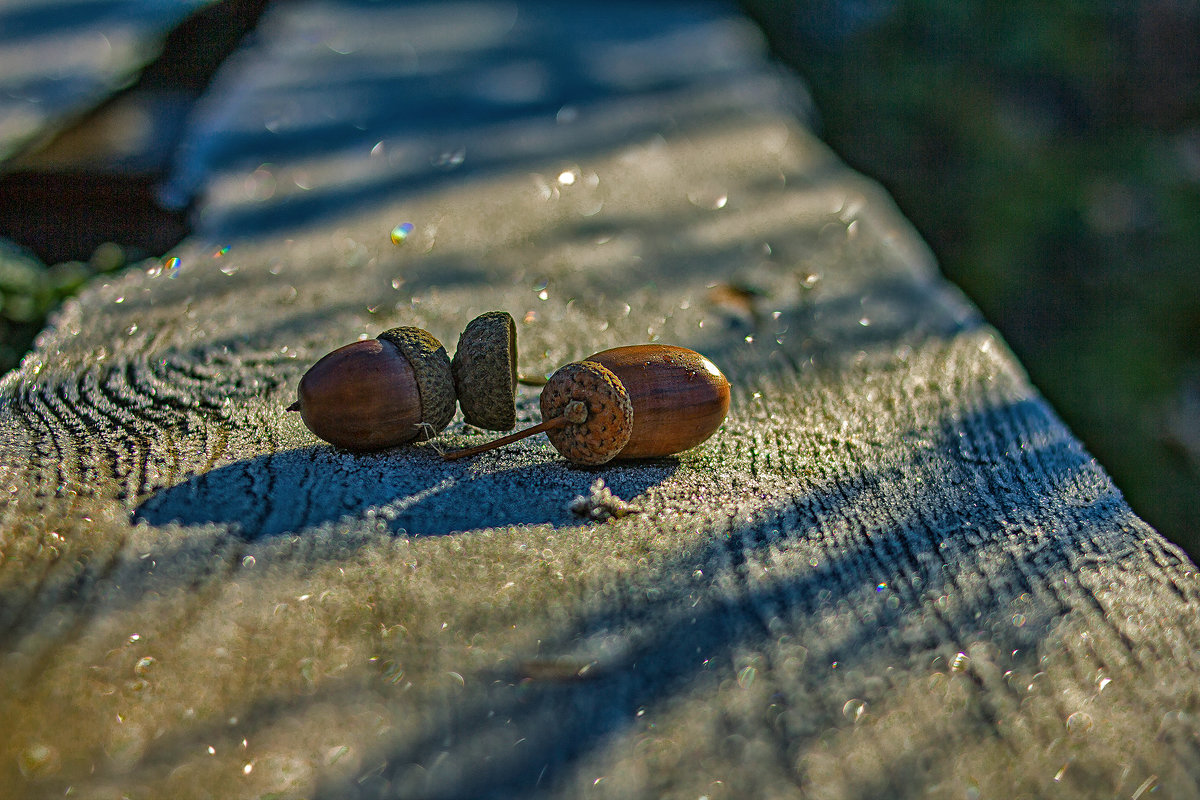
[1050, 154]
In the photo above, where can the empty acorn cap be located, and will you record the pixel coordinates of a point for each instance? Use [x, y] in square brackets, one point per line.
[485, 371]
[599, 437]
[431, 366]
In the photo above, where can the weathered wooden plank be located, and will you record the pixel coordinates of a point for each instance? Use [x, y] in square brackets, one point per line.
[893, 570]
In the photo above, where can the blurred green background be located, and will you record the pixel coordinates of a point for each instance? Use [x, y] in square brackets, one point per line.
[1048, 152]
[1050, 155]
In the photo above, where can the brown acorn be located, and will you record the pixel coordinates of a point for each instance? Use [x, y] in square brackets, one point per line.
[380, 392]
[671, 398]
[485, 371]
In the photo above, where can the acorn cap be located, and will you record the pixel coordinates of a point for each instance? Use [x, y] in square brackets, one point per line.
[431, 366]
[485, 371]
[605, 431]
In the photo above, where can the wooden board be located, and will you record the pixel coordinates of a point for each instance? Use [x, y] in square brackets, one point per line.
[892, 572]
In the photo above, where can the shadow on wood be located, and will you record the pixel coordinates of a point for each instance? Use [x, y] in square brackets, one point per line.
[291, 491]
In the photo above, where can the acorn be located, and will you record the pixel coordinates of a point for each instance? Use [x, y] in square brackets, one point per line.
[485, 371]
[640, 401]
[379, 392]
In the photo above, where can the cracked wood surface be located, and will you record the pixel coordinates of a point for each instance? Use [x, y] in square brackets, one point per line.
[892, 572]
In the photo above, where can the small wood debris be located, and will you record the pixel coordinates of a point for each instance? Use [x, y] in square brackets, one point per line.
[601, 504]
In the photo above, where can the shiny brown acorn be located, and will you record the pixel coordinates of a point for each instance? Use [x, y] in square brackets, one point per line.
[379, 392]
[639, 401]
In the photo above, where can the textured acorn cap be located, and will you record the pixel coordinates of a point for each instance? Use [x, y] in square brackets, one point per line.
[431, 365]
[609, 420]
[485, 371]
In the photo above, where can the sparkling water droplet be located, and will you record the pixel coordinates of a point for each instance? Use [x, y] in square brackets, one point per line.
[399, 234]
[746, 677]
[248, 562]
[172, 266]
[38, 760]
[713, 201]
[450, 159]
[854, 709]
[960, 663]
[1079, 723]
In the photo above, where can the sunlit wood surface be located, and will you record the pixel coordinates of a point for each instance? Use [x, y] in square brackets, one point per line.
[892, 573]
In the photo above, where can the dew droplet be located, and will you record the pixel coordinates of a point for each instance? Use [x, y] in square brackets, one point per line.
[1079, 723]
[248, 562]
[38, 760]
[854, 709]
[713, 201]
[450, 159]
[746, 677]
[400, 233]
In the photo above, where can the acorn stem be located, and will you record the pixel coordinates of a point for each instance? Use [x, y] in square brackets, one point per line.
[546, 425]
[294, 406]
[574, 413]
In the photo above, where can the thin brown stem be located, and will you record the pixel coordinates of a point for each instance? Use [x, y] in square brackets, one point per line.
[545, 425]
